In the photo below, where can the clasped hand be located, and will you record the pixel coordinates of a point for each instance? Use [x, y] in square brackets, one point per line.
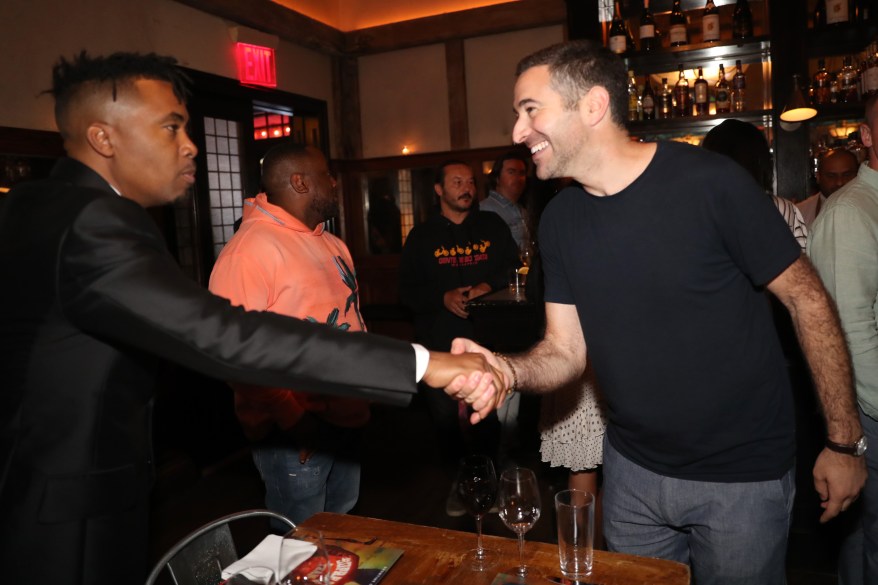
[469, 377]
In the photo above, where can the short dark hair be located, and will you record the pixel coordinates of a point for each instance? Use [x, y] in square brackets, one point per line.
[440, 170]
[69, 78]
[826, 154]
[745, 144]
[276, 162]
[577, 66]
[498, 165]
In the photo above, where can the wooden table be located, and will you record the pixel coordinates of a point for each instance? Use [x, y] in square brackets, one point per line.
[435, 555]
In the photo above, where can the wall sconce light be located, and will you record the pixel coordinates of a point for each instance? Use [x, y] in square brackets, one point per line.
[797, 109]
[405, 150]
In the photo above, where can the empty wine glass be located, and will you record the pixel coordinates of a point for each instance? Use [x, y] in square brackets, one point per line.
[297, 564]
[519, 500]
[477, 488]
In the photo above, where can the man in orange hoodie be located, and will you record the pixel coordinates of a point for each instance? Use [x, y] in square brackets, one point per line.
[282, 260]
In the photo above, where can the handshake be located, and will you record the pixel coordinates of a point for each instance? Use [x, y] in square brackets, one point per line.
[470, 373]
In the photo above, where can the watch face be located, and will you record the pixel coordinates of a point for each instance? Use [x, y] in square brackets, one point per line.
[862, 445]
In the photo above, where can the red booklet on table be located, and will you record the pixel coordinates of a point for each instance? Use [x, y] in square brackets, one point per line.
[353, 563]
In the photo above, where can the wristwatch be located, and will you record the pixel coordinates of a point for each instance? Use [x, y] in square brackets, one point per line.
[857, 449]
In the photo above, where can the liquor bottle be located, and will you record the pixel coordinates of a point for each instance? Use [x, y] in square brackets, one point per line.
[710, 23]
[666, 101]
[648, 40]
[848, 92]
[683, 103]
[677, 32]
[618, 38]
[647, 100]
[820, 15]
[702, 99]
[822, 84]
[739, 86]
[742, 20]
[837, 12]
[633, 98]
[722, 93]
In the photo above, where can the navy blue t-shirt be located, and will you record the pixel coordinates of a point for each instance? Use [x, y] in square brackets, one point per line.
[666, 276]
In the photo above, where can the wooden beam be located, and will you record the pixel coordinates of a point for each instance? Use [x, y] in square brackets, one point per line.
[275, 19]
[346, 95]
[455, 70]
[476, 22]
[271, 18]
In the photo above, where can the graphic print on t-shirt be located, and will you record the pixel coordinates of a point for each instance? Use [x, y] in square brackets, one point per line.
[458, 255]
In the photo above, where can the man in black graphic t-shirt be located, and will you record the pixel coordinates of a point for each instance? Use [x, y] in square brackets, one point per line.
[458, 254]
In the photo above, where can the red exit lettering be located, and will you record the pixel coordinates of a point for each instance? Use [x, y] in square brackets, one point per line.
[256, 65]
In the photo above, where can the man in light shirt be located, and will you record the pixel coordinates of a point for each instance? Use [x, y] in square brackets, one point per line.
[843, 249]
[507, 182]
[835, 168]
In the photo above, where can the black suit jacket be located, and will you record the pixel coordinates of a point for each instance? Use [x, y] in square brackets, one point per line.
[91, 301]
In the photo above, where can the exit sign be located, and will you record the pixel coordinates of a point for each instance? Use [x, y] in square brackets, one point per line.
[256, 65]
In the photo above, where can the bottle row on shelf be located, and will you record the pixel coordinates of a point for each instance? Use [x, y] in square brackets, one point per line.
[851, 84]
[621, 41]
[828, 13]
[701, 98]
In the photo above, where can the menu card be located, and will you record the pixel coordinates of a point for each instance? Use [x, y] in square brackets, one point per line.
[353, 563]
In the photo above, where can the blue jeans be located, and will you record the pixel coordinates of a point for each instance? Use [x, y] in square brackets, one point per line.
[729, 533]
[328, 482]
[858, 558]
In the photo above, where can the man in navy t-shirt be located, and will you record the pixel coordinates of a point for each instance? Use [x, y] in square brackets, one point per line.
[658, 264]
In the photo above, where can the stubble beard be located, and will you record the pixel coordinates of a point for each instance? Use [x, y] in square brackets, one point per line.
[325, 209]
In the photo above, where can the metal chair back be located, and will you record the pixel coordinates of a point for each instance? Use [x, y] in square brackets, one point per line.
[199, 557]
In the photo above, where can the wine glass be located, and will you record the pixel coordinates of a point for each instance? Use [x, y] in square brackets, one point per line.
[477, 488]
[308, 568]
[519, 500]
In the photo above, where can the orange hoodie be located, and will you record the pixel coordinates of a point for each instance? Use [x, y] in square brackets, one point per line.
[276, 263]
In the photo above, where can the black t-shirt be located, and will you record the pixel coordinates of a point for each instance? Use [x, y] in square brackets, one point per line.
[440, 255]
[666, 278]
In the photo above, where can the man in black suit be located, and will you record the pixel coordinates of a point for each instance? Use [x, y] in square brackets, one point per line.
[93, 300]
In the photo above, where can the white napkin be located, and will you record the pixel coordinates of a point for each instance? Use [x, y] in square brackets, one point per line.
[267, 554]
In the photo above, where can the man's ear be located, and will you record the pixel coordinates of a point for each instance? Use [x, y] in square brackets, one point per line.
[99, 137]
[438, 189]
[594, 105]
[866, 135]
[297, 182]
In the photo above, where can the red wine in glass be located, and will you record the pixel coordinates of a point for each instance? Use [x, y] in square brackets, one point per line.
[477, 489]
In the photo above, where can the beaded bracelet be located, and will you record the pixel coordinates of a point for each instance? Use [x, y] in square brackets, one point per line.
[508, 362]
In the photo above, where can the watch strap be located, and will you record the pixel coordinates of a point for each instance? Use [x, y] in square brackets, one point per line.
[851, 449]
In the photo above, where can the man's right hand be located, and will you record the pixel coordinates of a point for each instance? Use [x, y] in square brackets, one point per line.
[455, 301]
[468, 377]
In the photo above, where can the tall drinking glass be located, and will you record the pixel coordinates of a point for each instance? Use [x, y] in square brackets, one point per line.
[519, 506]
[477, 488]
[575, 514]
